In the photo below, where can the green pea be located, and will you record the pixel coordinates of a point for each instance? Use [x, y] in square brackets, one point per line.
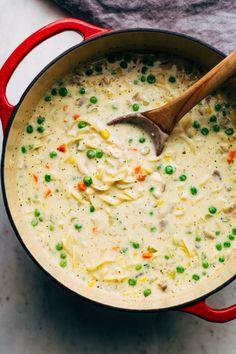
[218, 107]
[92, 209]
[88, 72]
[172, 79]
[47, 98]
[221, 259]
[151, 189]
[87, 180]
[198, 238]
[142, 78]
[23, 149]
[205, 131]
[132, 281]
[82, 90]
[36, 213]
[47, 178]
[40, 129]
[227, 244]
[216, 128]
[123, 64]
[219, 246]
[148, 61]
[138, 267]
[63, 263]
[193, 190]
[142, 140]
[151, 79]
[78, 227]
[98, 68]
[205, 264]
[182, 178]
[63, 91]
[136, 245]
[167, 257]
[40, 120]
[54, 91]
[34, 222]
[212, 210]
[51, 227]
[144, 69]
[234, 231]
[196, 124]
[169, 170]
[53, 154]
[63, 255]
[147, 292]
[29, 129]
[93, 99]
[82, 124]
[180, 269]
[213, 119]
[59, 246]
[91, 154]
[231, 237]
[135, 107]
[229, 131]
[195, 277]
[99, 154]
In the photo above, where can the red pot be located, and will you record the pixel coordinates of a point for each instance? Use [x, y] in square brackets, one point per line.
[103, 38]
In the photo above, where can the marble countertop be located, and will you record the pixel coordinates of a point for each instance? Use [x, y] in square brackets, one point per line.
[37, 316]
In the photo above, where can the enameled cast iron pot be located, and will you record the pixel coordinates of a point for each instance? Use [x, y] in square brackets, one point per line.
[98, 42]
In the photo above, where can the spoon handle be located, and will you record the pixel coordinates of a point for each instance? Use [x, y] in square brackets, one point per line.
[179, 106]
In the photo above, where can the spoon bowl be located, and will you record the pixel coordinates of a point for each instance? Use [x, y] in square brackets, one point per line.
[160, 122]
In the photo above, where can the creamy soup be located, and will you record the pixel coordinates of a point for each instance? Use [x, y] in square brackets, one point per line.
[104, 205]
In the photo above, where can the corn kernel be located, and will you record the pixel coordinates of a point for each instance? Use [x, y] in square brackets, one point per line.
[105, 134]
[109, 94]
[135, 254]
[160, 202]
[208, 110]
[142, 280]
[167, 157]
[91, 283]
[72, 160]
[145, 103]
[172, 275]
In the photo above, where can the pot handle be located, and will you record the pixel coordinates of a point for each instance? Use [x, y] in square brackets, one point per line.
[201, 309]
[87, 30]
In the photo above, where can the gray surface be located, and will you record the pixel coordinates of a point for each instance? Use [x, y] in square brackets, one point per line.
[36, 316]
[213, 21]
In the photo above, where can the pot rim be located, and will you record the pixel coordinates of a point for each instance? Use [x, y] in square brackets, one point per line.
[7, 208]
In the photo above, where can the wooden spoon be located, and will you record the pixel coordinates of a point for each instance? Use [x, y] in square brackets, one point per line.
[160, 122]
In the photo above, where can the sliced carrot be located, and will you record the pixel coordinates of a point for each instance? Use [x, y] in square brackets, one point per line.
[81, 186]
[147, 255]
[36, 179]
[116, 248]
[231, 156]
[137, 169]
[141, 178]
[47, 193]
[62, 148]
[64, 108]
[76, 116]
[134, 149]
[94, 229]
